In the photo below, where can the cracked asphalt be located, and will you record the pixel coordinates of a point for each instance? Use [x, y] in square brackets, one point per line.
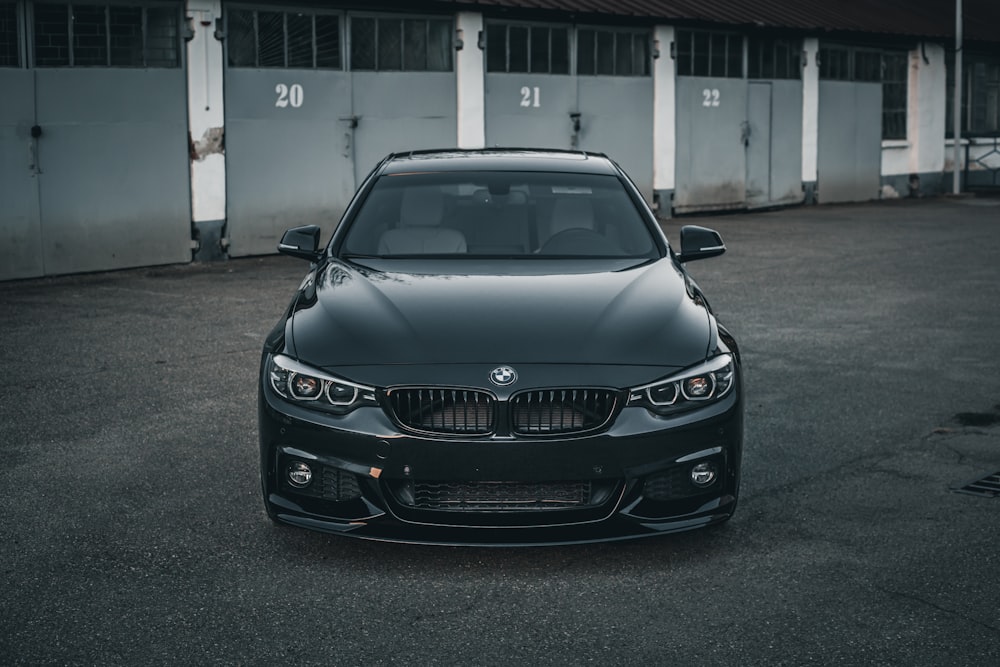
[133, 531]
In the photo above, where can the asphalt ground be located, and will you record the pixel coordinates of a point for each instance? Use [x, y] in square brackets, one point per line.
[133, 532]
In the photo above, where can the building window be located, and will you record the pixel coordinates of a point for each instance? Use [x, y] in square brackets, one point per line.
[10, 44]
[526, 48]
[290, 40]
[980, 94]
[716, 54]
[612, 52]
[890, 68]
[401, 44]
[774, 59]
[895, 72]
[90, 35]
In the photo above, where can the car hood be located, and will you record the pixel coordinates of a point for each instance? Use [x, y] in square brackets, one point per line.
[351, 316]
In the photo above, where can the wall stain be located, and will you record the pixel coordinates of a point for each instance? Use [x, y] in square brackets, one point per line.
[212, 142]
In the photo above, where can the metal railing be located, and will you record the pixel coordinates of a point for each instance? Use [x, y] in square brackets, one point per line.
[985, 176]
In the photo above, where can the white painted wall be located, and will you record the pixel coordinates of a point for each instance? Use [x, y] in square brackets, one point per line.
[926, 111]
[810, 109]
[664, 112]
[923, 150]
[205, 111]
[470, 76]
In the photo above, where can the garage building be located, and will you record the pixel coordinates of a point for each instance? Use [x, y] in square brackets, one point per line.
[144, 132]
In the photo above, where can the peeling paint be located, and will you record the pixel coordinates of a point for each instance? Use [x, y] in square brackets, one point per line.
[889, 192]
[212, 142]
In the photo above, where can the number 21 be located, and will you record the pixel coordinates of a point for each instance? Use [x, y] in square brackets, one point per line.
[526, 97]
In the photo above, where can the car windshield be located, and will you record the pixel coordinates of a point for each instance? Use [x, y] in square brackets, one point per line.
[499, 214]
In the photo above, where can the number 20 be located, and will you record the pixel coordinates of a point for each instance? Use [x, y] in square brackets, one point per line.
[289, 95]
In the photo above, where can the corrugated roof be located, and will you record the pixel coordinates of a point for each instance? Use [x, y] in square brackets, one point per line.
[917, 18]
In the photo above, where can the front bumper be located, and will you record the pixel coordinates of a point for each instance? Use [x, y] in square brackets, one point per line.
[372, 480]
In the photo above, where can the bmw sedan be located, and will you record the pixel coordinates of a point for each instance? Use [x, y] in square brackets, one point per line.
[499, 347]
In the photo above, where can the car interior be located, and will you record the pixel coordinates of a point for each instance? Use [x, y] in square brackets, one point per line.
[502, 220]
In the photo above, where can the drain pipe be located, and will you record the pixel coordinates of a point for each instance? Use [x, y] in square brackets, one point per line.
[957, 107]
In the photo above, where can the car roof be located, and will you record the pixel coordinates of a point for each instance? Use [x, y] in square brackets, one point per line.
[499, 159]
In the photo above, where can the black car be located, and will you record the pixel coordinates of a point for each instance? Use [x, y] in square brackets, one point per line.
[499, 347]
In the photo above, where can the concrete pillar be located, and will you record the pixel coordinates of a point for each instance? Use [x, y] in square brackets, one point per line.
[206, 120]
[470, 76]
[810, 117]
[664, 119]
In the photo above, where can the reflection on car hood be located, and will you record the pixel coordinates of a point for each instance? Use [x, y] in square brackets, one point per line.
[638, 316]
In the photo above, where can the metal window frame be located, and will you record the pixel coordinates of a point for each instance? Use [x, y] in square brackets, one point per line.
[636, 36]
[348, 65]
[726, 34]
[20, 28]
[28, 47]
[508, 24]
[312, 12]
[793, 61]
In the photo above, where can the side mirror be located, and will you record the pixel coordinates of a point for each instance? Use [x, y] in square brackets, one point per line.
[301, 242]
[700, 243]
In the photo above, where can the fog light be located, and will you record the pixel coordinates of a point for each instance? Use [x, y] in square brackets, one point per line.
[299, 474]
[703, 474]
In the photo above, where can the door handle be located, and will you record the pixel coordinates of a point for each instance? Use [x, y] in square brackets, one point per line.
[745, 133]
[574, 119]
[352, 124]
[36, 131]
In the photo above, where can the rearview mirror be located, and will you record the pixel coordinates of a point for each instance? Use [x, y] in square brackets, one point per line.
[700, 243]
[301, 242]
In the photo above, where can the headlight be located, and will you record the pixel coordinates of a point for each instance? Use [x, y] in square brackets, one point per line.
[689, 389]
[315, 389]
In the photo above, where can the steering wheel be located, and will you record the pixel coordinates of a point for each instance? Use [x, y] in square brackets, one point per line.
[578, 241]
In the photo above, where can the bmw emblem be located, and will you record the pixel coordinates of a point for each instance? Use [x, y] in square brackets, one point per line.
[503, 376]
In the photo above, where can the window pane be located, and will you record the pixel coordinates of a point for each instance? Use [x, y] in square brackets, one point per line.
[560, 50]
[271, 38]
[496, 48]
[439, 46]
[717, 50]
[240, 38]
[162, 37]
[768, 63]
[362, 44]
[623, 54]
[126, 36]
[699, 50]
[51, 35]
[390, 45]
[327, 41]
[518, 49]
[10, 48]
[585, 44]
[781, 60]
[867, 66]
[300, 40]
[539, 49]
[685, 66]
[415, 44]
[833, 64]
[640, 53]
[90, 35]
[734, 49]
[605, 52]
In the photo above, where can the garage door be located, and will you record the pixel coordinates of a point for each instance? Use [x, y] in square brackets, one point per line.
[565, 87]
[314, 99]
[739, 124]
[95, 142]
